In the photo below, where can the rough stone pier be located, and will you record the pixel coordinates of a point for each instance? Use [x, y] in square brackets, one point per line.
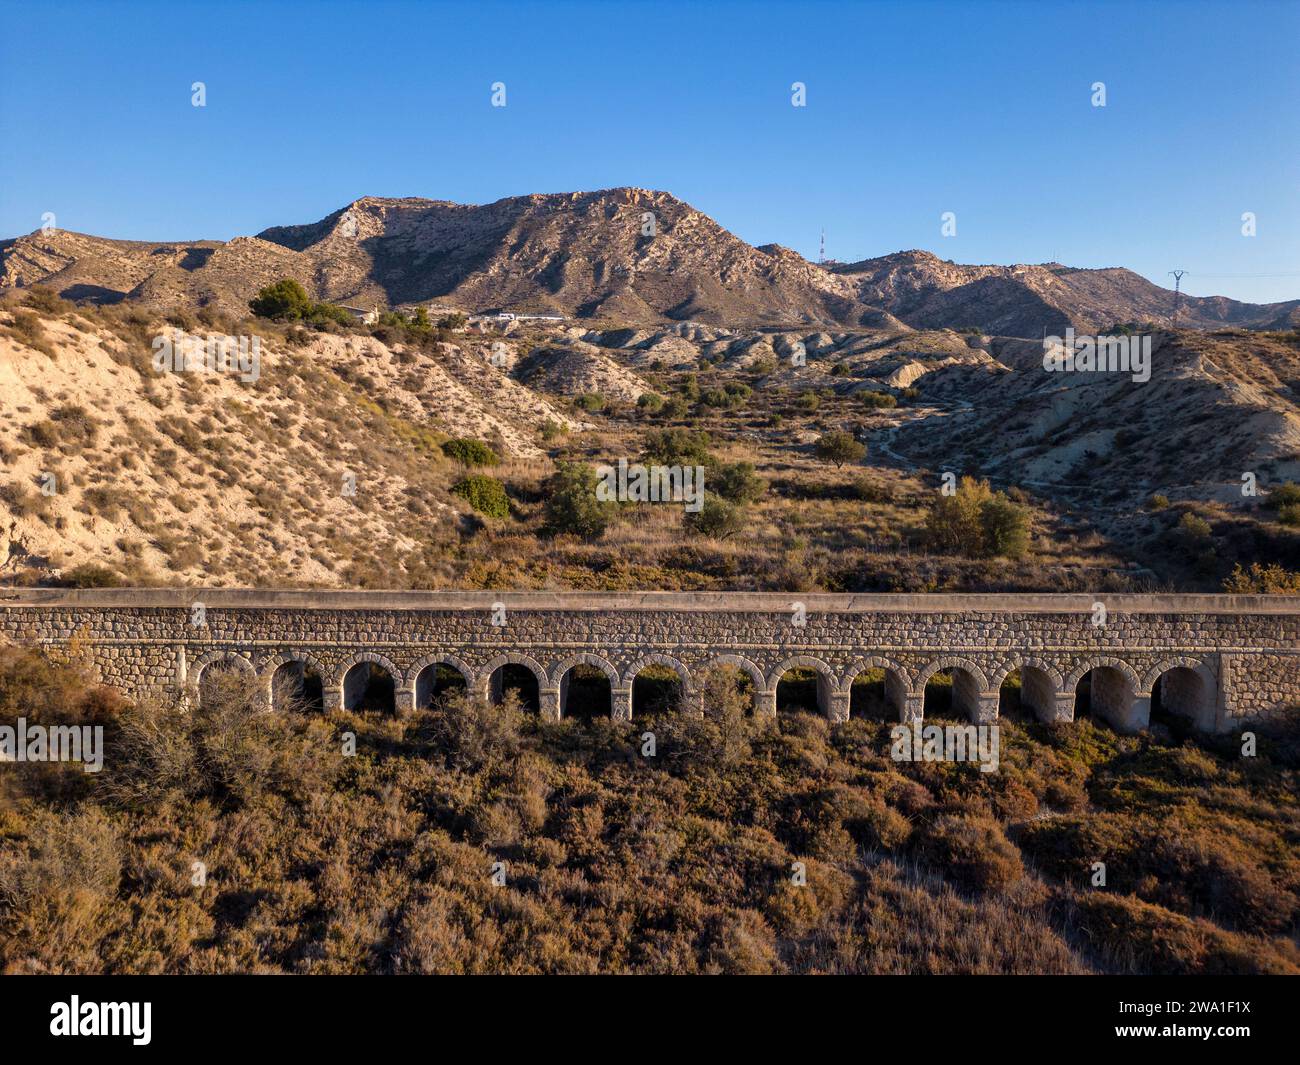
[1222, 660]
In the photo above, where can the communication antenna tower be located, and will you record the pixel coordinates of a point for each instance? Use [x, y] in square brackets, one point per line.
[1177, 275]
[821, 258]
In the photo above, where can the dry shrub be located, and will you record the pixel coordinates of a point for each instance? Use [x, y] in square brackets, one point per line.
[971, 851]
[73, 852]
[229, 747]
[1136, 936]
[472, 733]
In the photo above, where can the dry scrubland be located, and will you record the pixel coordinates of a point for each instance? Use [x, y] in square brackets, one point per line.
[317, 862]
[198, 479]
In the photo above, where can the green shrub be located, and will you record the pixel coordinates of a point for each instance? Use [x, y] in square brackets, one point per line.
[677, 447]
[590, 401]
[977, 522]
[840, 447]
[874, 399]
[485, 494]
[470, 452]
[572, 506]
[1289, 514]
[284, 300]
[1284, 495]
[737, 482]
[717, 518]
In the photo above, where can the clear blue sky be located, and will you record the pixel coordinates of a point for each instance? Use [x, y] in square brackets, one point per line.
[913, 109]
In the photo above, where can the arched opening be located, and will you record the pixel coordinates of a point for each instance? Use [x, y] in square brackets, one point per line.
[724, 687]
[1104, 693]
[656, 689]
[519, 679]
[436, 680]
[1011, 695]
[221, 675]
[1182, 693]
[802, 690]
[877, 694]
[368, 686]
[297, 685]
[586, 693]
[1038, 690]
[952, 692]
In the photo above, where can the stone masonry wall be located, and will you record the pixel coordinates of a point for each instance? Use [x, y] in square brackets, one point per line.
[1242, 652]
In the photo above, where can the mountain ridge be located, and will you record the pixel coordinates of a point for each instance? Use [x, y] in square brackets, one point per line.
[627, 254]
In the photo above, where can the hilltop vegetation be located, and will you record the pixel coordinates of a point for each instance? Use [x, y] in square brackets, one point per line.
[796, 847]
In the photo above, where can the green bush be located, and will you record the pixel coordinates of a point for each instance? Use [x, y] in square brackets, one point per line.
[874, 399]
[840, 447]
[977, 522]
[470, 452]
[572, 506]
[717, 518]
[590, 401]
[648, 401]
[485, 494]
[1284, 495]
[677, 447]
[284, 300]
[1289, 514]
[737, 482]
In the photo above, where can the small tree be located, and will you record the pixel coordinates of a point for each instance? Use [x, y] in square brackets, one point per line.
[839, 447]
[737, 482]
[572, 506]
[283, 300]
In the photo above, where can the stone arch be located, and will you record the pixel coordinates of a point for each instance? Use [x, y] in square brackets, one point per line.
[898, 682]
[619, 702]
[1196, 665]
[1041, 686]
[686, 692]
[545, 690]
[271, 666]
[512, 658]
[585, 659]
[241, 662]
[825, 679]
[414, 681]
[739, 662]
[345, 667]
[970, 687]
[440, 659]
[1086, 665]
[1194, 687]
[629, 675]
[943, 665]
[1116, 696]
[371, 658]
[860, 665]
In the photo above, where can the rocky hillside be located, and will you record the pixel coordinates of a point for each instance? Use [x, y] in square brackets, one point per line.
[625, 255]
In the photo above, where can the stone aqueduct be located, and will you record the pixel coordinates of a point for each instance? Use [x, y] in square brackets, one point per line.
[1223, 660]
